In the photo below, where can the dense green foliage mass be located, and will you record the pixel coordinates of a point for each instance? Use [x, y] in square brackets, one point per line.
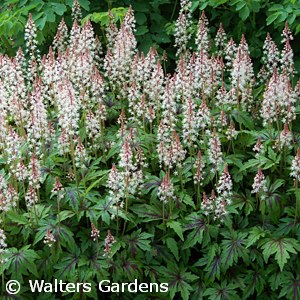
[113, 169]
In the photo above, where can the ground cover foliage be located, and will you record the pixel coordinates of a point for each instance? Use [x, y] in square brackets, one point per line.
[113, 169]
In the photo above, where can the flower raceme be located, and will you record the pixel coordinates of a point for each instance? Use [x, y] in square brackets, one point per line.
[58, 189]
[295, 168]
[215, 151]
[3, 245]
[109, 241]
[216, 204]
[260, 183]
[199, 166]
[166, 189]
[183, 23]
[49, 238]
[95, 233]
[224, 187]
[8, 195]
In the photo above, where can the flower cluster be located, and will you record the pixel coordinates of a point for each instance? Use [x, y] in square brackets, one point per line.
[198, 166]
[3, 245]
[260, 183]
[214, 205]
[207, 204]
[258, 147]
[202, 39]
[215, 151]
[183, 23]
[270, 57]
[21, 171]
[30, 37]
[166, 189]
[279, 100]
[49, 238]
[231, 132]
[34, 171]
[8, 195]
[295, 168]
[31, 197]
[80, 155]
[95, 233]
[76, 11]
[109, 241]
[221, 39]
[58, 189]
[128, 178]
[224, 187]
[285, 138]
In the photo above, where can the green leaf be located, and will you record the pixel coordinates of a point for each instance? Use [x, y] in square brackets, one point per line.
[281, 247]
[244, 118]
[161, 37]
[141, 30]
[275, 276]
[272, 18]
[255, 234]
[251, 163]
[216, 3]
[65, 236]
[146, 42]
[176, 226]
[141, 7]
[277, 184]
[195, 4]
[290, 286]
[187, 199]
[85, 4]
[66, 214]
[19, 219]
[222, 291]
[255, 6]
[140, 18]
[50, 15]
[139, 239]
[276, 7]
[200, 229]
[103, 178]
[233, 248]
[212, 262]
[172, 245]
[147, 212]
[240, 4]
[178, 279]
[114, 150]
[22, 262]
[59, 8]
[101, 18]
[66, 268]
[244, 13]
[40, 23]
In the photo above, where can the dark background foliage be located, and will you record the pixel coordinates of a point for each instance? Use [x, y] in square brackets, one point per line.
[155, 21]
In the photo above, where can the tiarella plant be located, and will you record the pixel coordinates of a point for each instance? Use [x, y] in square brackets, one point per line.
[113, 169]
